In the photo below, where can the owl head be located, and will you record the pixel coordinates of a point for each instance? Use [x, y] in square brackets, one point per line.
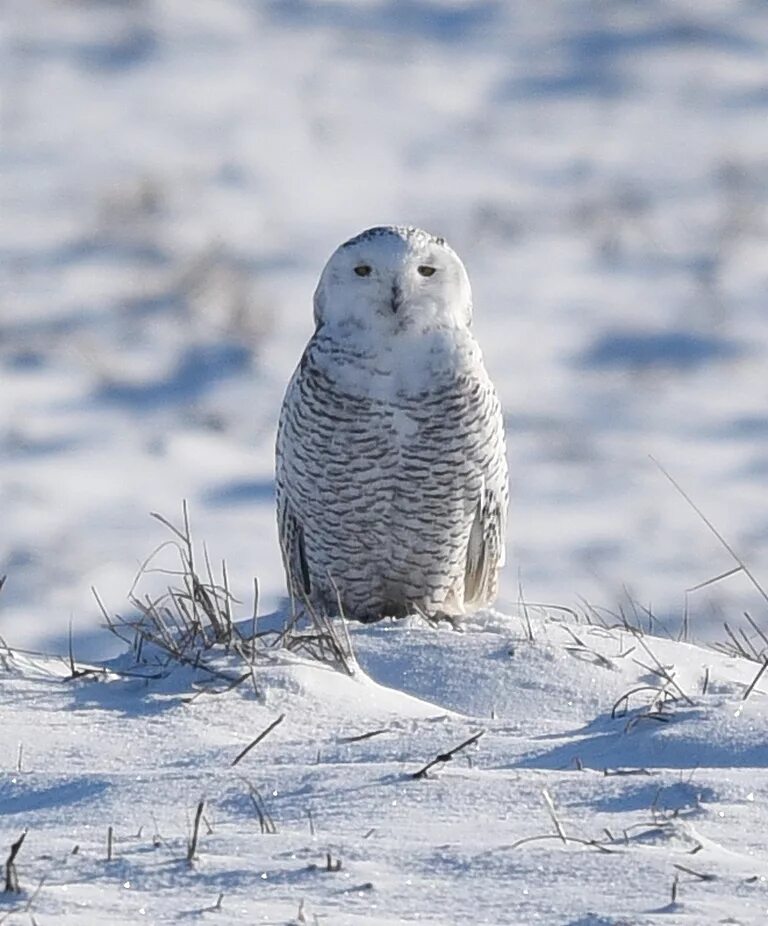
[394, 279]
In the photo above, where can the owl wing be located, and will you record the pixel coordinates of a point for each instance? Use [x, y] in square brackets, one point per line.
[289, 528]
[292, 547]
[485, 550]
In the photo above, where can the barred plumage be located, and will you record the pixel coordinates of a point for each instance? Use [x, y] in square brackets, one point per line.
[391, 468]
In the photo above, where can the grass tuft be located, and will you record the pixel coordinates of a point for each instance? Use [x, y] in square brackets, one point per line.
[192, 621]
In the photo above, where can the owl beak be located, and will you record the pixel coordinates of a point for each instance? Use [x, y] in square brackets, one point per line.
[397, 298]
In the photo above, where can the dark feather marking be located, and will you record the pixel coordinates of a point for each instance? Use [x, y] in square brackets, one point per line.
[406, 232]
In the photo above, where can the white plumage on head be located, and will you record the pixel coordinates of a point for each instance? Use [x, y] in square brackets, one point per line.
[391, 470]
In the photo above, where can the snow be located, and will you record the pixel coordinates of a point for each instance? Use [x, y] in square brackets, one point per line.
[641, 798]
[173, 177]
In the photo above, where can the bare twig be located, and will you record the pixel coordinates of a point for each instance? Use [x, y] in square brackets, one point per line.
[754, 681]
[363, 736]
[447, 756]
[662, 693]
[702, 876]
[192, 845]
[266, 822]
[712, 581]
[553, 815]
[259, 738]
[526, 615]
[11, 876]
[737, 559]
[663, 672]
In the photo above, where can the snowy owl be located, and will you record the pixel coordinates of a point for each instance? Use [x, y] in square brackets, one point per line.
[391, 468]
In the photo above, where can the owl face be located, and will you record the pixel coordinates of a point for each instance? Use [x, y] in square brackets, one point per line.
[393, 279]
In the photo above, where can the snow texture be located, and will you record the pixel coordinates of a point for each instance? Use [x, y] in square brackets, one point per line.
[580, 803]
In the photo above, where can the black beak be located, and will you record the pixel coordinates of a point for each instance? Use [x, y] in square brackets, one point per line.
[397, 298]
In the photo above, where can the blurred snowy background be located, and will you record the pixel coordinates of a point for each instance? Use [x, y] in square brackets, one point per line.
[174, 175]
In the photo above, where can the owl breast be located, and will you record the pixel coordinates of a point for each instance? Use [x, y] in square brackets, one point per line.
[391, 481]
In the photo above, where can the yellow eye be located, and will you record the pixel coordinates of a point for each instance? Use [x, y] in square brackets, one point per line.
[426, 271]
[363, 270]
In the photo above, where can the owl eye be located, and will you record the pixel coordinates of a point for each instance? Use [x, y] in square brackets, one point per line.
[362, 270]
[426, 271]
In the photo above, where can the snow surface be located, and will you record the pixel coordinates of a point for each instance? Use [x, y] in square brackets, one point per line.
[173, 176]
[642, 802]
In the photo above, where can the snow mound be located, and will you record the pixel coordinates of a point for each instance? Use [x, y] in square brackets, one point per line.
[563, 761]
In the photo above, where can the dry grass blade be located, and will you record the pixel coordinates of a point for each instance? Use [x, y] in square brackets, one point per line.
[192, 844]
[737, 559]
[592, 843]
[192, 621]
[266, 821]
[320, 640]
[712, 581]
[553, 815]
[447, 756]
[264, 733]
[11, 876]
[526, 616]
[661, 693]
[662, 671]
[754, 681]
[702, 876]
[363, 736]
[757, 629]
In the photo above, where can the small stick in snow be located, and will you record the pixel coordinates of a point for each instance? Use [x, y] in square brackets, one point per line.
[363, 736]
[702, 876]
[259, 738]
[553, 814]
[214, 908]
[522, 602]
[110, 834]
[254, 616]
[661, 671]
[11, 877]
[332, 864]
[447, 756]
[192, 847]
[755, 680]
[266, 822]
